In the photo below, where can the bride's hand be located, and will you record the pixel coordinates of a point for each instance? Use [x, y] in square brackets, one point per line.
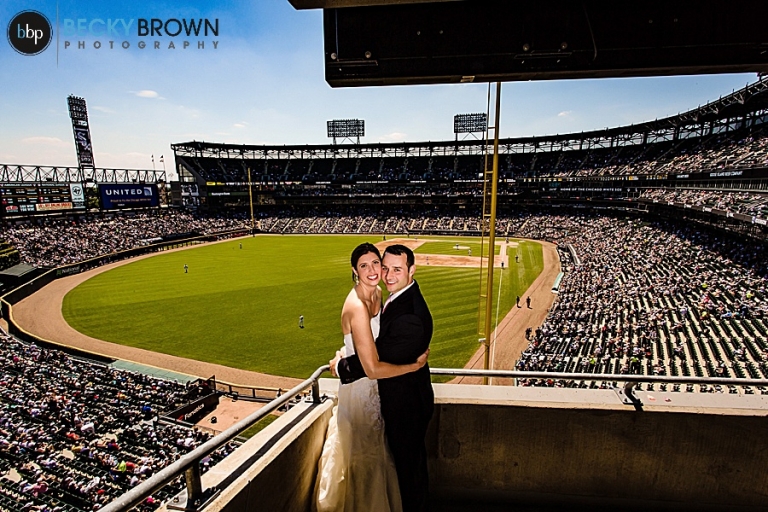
[333, 362]
[422, 360]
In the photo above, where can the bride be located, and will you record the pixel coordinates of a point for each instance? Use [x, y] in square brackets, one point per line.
[356, 471]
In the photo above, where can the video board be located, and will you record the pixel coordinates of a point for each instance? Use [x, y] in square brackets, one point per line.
[116, 195]
[31, 198]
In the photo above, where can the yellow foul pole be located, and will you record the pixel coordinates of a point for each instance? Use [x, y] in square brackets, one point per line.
[492, 235]
[250, 199]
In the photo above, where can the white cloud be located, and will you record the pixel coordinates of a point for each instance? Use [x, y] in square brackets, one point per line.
[103, 109]
[565, 113]
[45, 141]
[148, 93]
[241, 124]
[394, 137]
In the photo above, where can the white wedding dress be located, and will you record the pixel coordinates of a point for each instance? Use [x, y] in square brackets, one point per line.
[356, 472]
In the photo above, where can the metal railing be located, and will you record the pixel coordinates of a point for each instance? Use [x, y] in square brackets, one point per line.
[606, 377]
[626, 393]
[189, 464]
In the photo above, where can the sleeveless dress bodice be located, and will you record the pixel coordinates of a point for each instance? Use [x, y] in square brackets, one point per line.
[349, 344]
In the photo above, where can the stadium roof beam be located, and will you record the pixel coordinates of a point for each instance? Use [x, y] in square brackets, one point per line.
[42, 174]
[38, 174]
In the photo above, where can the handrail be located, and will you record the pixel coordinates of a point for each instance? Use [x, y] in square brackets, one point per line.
[190, 463]
[626, 394]
[623, 377]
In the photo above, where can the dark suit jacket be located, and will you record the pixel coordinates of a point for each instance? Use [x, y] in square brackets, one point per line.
[407, 401]
[405, 333]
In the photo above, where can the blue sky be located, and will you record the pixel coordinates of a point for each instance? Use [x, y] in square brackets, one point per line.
[264, 84]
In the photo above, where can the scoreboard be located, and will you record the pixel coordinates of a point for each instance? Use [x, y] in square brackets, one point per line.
[30, 198]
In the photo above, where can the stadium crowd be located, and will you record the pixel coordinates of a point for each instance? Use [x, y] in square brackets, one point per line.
[74, 435]
[651, 299]
[402, 222]
[384, 190]
[736, 149]
[50, 243]
[747, 203]
[61, 242]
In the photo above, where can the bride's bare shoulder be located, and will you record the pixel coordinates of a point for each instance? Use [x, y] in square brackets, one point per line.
[353, 304]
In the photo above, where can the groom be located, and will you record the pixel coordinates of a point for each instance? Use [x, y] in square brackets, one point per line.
[406, 401]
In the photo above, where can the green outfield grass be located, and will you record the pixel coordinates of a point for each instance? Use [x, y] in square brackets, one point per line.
[240, 307]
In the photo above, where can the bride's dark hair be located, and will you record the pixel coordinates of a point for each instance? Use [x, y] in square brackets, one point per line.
[360, 251]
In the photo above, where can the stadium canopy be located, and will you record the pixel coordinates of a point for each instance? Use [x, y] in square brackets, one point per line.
[396, 42]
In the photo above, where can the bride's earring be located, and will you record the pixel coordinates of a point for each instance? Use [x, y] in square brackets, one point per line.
[355, 277]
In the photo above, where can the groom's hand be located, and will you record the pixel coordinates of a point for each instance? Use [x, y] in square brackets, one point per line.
[334, 362]
[422, 359]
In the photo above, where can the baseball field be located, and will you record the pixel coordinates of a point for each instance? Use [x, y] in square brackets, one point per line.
[238, 303]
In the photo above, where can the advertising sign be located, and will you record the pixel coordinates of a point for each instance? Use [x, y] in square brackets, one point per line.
[25, 198]
[114, 196]
[78, 195]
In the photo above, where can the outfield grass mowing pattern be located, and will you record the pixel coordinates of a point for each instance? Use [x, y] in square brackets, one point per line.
[240, 307]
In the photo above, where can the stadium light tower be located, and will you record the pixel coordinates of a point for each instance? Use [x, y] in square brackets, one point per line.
[346, 129]
[469, 124]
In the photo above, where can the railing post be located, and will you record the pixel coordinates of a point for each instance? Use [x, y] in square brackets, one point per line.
[627, 395]
[316, 391]
[629, 390]
[194, 486]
